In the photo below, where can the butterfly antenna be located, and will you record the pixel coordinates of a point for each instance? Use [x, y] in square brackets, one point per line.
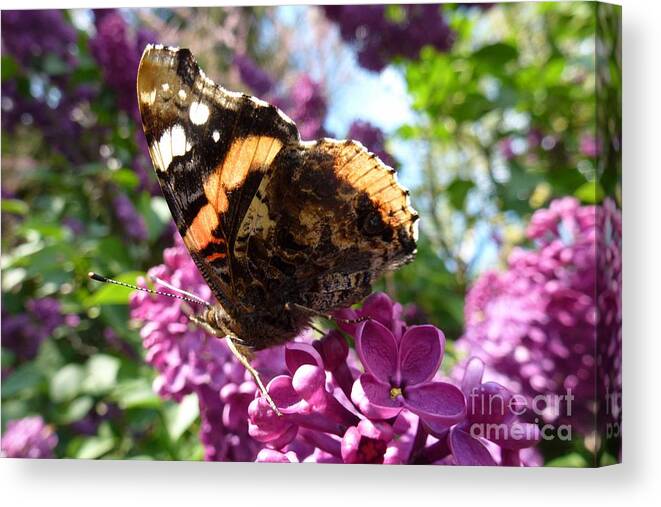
[189, 298]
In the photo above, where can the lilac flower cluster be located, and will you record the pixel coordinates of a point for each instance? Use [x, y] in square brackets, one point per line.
[190, 361]
[29, 437]
[379, 39]
[132, 221]
[24, 333]
[373, 139]
[118, 55]
[397, 411]
[534, 325]
[37, 34]
[46, 41]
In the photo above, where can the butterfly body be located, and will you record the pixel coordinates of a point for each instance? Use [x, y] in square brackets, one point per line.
[280, 229]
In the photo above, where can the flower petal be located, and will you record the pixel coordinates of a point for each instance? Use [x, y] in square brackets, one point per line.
[381, 308]
[472, 375]
[420, 354]
[284, 395]
[373, 398]
[436, 401]
[469, 451]
[273, 456]
[517, 435]
[377, 349]
[309, 381]
[333, 349]
[297, 354]
[489, 403]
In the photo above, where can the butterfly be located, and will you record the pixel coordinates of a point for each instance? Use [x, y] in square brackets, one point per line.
[281, 230]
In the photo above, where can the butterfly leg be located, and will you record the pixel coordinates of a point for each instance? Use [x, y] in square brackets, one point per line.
[241, 352]
[242, 356]
[296, 306]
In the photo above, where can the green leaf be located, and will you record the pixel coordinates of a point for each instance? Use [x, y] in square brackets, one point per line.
[496, 55]
[10, 67]
[14, 206]
[66, 383]
[76, 410]
[24, 377]
[457, 191]
[136, 393]
[156, 213]
[113, 294]
[54, 65]
[179, 417]
[95, 447]
[125, 178]
[573, 459]
[590, 192]
[101, 374]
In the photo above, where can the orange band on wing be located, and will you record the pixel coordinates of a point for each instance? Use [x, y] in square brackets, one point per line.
[215, 256]
[199, 233]
[246, 154]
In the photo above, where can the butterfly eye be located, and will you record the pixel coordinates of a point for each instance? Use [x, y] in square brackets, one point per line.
[373, 224]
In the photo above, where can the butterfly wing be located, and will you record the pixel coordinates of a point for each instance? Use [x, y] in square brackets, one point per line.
[210, 148]
[326, 222]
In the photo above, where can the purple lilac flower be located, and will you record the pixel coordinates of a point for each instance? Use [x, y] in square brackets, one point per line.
[189, 361]
[29, 437]
[308, 107]
[399, 375]
[89, 424]
[507, 148]
[76, 226]
[534, 325]
[534, 138]
[253, 76]
[491, 416]
[23, 333]
[118, 55]
[132, 222]
[589, 146]
[395, 420]
[373, 139]
[378, 39]
[36, 34]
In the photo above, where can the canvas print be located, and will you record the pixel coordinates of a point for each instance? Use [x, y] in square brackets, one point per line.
[349, 234]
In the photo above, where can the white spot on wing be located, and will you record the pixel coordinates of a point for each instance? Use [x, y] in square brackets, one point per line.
[165, 87]
[148, 97]
[216, 136]
[178, 141]
[182, 94]
[171, 144]
[198, 113]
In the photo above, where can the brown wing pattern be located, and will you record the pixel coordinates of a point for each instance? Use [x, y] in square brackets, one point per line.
[327, 221]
